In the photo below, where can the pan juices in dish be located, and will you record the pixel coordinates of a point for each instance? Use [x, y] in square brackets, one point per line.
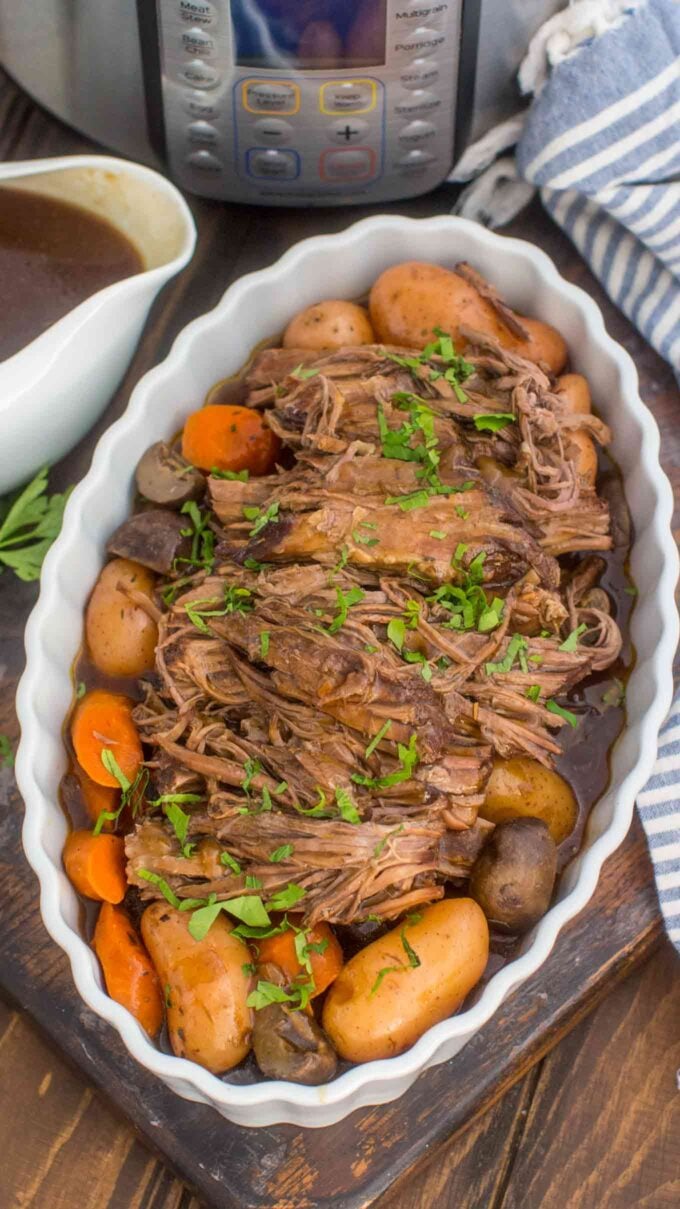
[349, 681]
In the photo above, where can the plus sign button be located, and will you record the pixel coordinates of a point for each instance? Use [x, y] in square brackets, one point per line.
[347, 131]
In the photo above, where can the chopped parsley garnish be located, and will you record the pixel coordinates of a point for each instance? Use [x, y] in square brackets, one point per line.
[284, 899]
[281, 854]
[230, 862]
[615, 695]
[251, 769]
[248, 908]
[346, 807]
[262, 519]
[131, 791]
[438, 533]
[268, 992]
[264, 643]
[534, 692]
[81, 689]
[345, 601]
[413, 958]
[179, 821]
[302, 374]
[251, 564]
[252, 882]
[456, 368]
[415, 499]
[236, 600]
[516, 649]
[377, 738]
[494, 421]
[383, 974]
[462, 512]
[565, 714]
[318, 810]
[408, 758]
[342, 561]
[571, 643]
[248, 969]
[396, 632]
[631, 590]
[6, 753]
[380, 846]
[202, 537]
[239, 476]
[364, 539]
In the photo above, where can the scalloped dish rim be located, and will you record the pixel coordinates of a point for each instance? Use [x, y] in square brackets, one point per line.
[361, 251]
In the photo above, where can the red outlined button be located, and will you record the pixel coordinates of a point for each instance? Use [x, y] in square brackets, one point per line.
[347, 164]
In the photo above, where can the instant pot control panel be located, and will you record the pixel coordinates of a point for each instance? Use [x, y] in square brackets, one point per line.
[318, 102]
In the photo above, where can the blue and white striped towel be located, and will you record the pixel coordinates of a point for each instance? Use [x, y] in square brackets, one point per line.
[659, 809]
[601, 141]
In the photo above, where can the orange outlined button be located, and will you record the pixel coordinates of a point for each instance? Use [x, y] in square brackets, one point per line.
[347, 164]
[270, 96]
[348, 96]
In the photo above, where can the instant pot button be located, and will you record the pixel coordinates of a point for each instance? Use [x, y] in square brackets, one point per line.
[267, 164]
[199, 106]
[356, 164]
[416, 133]
[421, 73]
[199, 74]
[203, 132]
[348, 96]
[198, 42]
[270, 96]
[418, 101]
[420, 12]
[421, 42]
[196, 12]
[347, 130]
[205, 161]
[273, 131]
[415, 162]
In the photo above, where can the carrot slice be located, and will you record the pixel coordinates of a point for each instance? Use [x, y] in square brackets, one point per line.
[129, 972]
[281, 951]
[98, 798]
[104, 721]
[95, 865]
[227, 437]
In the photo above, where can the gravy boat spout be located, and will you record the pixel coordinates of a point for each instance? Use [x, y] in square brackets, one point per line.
[55, 388]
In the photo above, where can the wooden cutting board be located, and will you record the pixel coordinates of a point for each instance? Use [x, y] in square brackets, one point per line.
[349, 1164]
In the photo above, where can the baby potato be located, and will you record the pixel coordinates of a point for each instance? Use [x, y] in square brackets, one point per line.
[410, 300]
[121, 637]
[381, 1003]
[332, 324]
[585, 455]
[206, 989]
[574, 391]
[521, 787]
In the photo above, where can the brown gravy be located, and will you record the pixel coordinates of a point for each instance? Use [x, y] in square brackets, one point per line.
[53, 255]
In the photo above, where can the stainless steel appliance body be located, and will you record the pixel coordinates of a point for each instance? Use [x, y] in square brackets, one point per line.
[288, 102]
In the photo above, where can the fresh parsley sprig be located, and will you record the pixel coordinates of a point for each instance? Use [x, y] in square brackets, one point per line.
[30, 520]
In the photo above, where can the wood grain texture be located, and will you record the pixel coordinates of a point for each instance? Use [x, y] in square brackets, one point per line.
[352, 1163]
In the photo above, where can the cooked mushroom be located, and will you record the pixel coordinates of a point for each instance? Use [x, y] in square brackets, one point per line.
[290, 1044]
[164, 477]
[154, 539]
[513, 877]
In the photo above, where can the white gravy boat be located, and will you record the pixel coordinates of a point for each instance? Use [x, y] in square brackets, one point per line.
[55, 388]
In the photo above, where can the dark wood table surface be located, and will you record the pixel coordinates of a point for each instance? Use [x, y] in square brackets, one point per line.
[593, 1124]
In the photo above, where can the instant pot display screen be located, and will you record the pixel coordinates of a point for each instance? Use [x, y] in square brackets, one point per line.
[305, 35]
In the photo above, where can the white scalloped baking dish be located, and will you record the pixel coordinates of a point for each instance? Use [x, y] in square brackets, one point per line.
[211, 347]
